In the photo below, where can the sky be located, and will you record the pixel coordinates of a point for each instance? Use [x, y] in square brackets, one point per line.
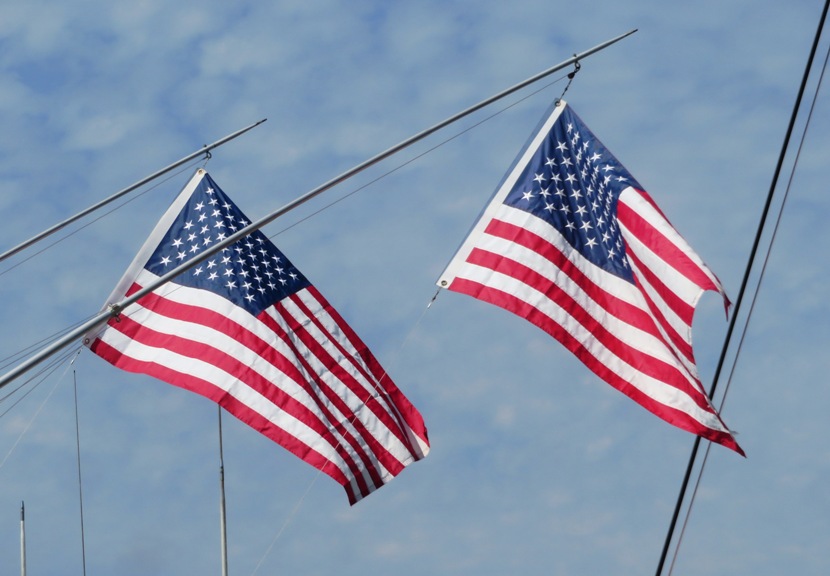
[536, 467]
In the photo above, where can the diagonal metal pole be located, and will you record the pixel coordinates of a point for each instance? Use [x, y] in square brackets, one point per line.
[116, 308]
[764, 213]
[203, 150]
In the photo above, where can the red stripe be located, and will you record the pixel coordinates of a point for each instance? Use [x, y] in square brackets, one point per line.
[397, 401]
[680, 342]
[620, 309]
[662, 247]
[640, 361]
[298, 331]
[521, 308]
[391, 419]
[623, 310]
[680, 307]
[210, 391]
[244, 373]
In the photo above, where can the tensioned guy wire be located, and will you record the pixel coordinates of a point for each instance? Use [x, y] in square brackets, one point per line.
[440, 144]
[94, 220]
[756, 291]
[45, 372]
[745, 279]
[298, 504]
[80, 477]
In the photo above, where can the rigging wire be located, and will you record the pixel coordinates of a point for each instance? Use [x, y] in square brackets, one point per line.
[12, 358]
[78, 452]
[428, 151]
[295, 509]
[100, 217]
[45, 373]
[756, 291]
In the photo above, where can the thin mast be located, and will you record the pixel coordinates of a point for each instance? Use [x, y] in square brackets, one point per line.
[22, 539]
[203, 150]
[223, 526]
[115, 309]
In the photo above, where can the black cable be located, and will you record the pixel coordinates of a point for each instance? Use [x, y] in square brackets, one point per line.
[745, 280]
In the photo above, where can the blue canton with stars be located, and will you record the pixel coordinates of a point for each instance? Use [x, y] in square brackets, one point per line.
[252, 273]
[573, 183]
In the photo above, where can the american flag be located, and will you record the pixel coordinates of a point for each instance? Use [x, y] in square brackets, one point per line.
[248, 330]
[572, 243]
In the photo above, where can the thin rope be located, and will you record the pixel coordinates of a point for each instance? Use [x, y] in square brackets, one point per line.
[15, 356]
[320, 471]
[46, 372]
[94, 220]
[569, 76]
[78, 452]
[424, 153]
[757, 290]
[577, 68]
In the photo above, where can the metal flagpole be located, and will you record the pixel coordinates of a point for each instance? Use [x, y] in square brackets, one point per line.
[115, 309]
[203, 150]
[744, 281]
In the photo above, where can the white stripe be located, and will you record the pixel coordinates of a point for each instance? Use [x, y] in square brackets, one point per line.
[691, 292]
[266, 370]
[655, 389]
[625, 291]
[646, 210]
[686, 290]
[219, 378]
[628, 334]
[340, 389]
[375, 427]
[622, 289]
[682, 330]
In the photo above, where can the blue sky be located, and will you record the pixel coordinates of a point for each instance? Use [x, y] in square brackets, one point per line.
[536, 466]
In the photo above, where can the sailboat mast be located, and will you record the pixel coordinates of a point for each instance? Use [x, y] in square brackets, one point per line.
[223, 527]
[22, 539]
